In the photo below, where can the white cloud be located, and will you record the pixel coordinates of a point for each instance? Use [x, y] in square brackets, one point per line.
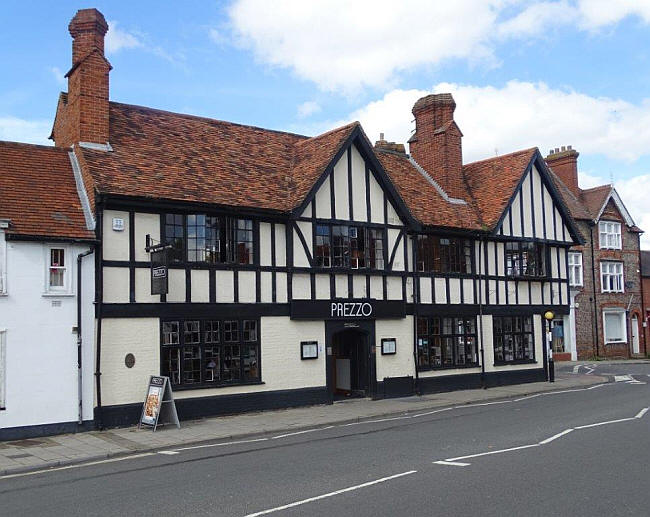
[57, 74]
[521, 115]
[118, 39]
[20, 130]
[342, 45]
[308, 108]
[345, 45]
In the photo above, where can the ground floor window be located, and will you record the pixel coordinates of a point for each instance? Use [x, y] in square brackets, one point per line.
[447, 342]
[513, 339]
[196, 353]
[614, 326]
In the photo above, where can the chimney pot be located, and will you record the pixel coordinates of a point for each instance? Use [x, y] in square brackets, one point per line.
[565, 165]
[381, 136]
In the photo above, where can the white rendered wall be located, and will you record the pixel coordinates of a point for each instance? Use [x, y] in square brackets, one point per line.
[41, 347]
[400, 364]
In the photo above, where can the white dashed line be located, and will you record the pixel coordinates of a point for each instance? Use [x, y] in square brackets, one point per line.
[331, 494]
[453, 463]
[555, 437]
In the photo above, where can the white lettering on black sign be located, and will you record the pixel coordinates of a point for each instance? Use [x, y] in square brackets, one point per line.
[350, 309]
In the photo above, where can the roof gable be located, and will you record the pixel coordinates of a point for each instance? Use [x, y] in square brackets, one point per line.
[533, 220]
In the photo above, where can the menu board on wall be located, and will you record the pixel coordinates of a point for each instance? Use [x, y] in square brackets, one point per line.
[159, 406]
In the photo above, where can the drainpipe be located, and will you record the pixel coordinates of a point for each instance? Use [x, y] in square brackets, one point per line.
[628, 324]
[642, 315]
[80, 256]
[482, 243]
[593, 286]
[416, 301]
[99, 297]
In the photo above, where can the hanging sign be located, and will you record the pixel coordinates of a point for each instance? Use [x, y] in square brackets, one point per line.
[159, 272]
[159, 406]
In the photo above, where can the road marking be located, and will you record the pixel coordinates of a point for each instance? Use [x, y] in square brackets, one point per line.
[622, 378]
[555, 437]
[483, 404]
[642, 412]
[221, 444]
[432, 412]
[493, 452]
[168, 453]
[576, 368]
[79, 465]
[454, 463]
[597, 424]
[302, 432]
[331, 494]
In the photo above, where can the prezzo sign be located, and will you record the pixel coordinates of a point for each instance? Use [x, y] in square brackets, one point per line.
[347, 309]
[351, 309]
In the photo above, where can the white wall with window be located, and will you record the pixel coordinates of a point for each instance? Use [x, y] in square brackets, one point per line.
[39, 313]
[3, 258]
[610, 235]
[575, 269]
[614, 327]
[3, 370]
[611, 277]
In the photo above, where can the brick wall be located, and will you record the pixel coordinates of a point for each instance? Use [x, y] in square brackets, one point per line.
[589, 319]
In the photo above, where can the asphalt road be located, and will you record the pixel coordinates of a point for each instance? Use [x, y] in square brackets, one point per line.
[539, 455]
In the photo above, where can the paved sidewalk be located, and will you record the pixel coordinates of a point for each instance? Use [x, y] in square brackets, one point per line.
[40, 453]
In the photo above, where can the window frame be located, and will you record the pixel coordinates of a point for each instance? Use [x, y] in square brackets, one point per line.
[226, 239]
[575, 267]
[541, 251]
[3, 369]
[616, 235]
[458, 251]
[349, 246]
[513, 332]
[202, 337]
[442, 336]
[68, 271]
[606, 276]
[622, 315]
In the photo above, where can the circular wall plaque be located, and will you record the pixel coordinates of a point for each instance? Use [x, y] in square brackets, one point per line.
[129, 360]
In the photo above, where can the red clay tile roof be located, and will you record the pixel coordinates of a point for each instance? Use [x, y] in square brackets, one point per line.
[38, 192]
[423, 199]
[159, 154]
[492, 182]
[576, 207]
[594, 199]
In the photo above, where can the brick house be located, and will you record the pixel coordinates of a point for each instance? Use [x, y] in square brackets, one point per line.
[645, 286]
[604, 273]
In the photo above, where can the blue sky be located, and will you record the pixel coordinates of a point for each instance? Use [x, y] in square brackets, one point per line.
[524, 73]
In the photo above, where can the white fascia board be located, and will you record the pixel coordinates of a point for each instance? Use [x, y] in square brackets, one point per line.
[613, 195]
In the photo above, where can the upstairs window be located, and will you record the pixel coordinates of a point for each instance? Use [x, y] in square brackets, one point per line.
[575, 269]
[211, 239]
[611, 277]
[3, 264]
[58, 274]
[610, 235]
[355, 247]
[527, 259]
[444, 254]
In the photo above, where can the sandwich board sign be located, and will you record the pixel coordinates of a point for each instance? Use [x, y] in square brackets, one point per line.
[159, 406]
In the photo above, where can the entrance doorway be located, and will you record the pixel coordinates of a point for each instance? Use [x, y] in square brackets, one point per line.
[635, 334]
[350, 364]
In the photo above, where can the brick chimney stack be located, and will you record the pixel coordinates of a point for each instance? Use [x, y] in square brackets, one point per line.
[384, 145]
[84, 116]
[564, 162]
[437, 142]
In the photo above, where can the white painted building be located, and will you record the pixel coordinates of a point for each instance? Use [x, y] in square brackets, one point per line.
[42, 388]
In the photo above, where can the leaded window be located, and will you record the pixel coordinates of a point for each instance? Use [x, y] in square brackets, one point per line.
[609, 235]
[198, 353]
[525, 258]
[447, 342]
[444, 254]
[211, 239]
[355, 247]
[513, 339]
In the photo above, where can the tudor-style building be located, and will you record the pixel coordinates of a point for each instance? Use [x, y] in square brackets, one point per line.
[606, 316]
[301, 270]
